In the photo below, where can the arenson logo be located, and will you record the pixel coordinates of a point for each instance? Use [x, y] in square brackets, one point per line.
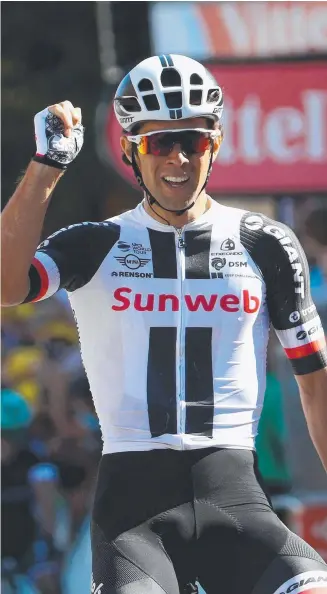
[125, 298]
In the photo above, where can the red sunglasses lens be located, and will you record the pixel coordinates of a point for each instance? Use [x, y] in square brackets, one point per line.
[161, 144]
[201, 143]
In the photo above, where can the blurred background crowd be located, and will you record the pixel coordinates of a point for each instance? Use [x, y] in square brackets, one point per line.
[271, 59]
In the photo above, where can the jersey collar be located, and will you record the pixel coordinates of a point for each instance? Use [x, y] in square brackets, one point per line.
[141, 216]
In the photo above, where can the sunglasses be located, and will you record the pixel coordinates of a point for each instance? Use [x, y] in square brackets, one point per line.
[160, 144]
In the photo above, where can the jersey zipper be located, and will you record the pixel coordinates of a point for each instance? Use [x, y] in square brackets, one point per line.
[181, 334]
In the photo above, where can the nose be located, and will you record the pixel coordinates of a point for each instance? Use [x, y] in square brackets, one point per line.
[176, 156]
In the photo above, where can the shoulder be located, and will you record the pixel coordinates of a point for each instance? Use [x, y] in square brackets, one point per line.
[258, 232]
[254, 228]
[255, 224]
[79, 233]
[230, 214]
[130, 218]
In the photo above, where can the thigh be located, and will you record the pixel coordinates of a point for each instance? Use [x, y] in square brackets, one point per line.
[132, 520]
[251, 551]
[133, 563]
[243, 547]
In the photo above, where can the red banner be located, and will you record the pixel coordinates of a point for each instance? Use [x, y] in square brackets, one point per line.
[275, 122]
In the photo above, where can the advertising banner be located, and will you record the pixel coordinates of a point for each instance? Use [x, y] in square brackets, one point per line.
[238, 29]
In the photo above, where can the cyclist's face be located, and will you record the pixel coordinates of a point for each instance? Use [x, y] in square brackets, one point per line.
[156, 169]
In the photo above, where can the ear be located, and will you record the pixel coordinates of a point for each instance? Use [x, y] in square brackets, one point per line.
[126, 147]
[216, 147]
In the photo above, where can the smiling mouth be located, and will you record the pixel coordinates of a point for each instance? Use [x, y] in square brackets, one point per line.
[175, 182]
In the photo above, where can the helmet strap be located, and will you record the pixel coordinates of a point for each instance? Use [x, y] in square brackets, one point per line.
[152, 200]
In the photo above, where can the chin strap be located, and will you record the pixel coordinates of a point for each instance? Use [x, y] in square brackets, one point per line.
[152, 200]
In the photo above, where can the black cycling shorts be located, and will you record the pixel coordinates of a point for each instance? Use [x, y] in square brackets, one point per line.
[164, 520]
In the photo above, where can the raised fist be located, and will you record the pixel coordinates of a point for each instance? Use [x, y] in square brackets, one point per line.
[59, 134]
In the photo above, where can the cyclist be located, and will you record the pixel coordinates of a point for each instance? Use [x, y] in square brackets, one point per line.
[173, 302]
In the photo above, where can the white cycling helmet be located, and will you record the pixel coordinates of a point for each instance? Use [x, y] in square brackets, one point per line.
[167, 87]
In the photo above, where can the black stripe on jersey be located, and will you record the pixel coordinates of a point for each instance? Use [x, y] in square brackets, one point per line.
[197, 253]
[163, 254]
[78, 252]
[161, 381]
[199, 393]
[310, 363]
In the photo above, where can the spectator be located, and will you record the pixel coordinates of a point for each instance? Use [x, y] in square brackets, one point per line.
[20, 368]
[52, 460]
[28, 502]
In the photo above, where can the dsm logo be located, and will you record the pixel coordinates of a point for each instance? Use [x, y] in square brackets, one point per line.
[132, 261]
[218, 263]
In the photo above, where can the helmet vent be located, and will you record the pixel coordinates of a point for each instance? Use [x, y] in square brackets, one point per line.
[170, 78]
[151, 102]
[145, 85]
[195, 97]
[195, 79]
[129, 104]
[213, 95]
[174, 100]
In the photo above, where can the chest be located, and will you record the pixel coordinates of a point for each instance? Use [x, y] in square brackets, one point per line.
[197, 274]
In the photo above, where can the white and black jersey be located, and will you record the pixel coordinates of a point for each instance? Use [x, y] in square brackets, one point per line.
[174, 325]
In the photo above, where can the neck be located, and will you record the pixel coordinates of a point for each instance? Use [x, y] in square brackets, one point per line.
[201, 205]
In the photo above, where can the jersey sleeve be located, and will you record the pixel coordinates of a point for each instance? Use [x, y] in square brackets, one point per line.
[279, 255]
[69, 258]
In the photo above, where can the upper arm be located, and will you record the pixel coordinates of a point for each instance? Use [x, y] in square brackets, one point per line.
[69, 258]
[313, 383]
[313, 394]
[282, 261]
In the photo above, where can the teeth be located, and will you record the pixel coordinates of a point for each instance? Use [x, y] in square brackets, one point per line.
[176, 179]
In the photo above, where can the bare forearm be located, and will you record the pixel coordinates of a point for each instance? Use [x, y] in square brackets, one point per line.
[314, 402]
[21, 226]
